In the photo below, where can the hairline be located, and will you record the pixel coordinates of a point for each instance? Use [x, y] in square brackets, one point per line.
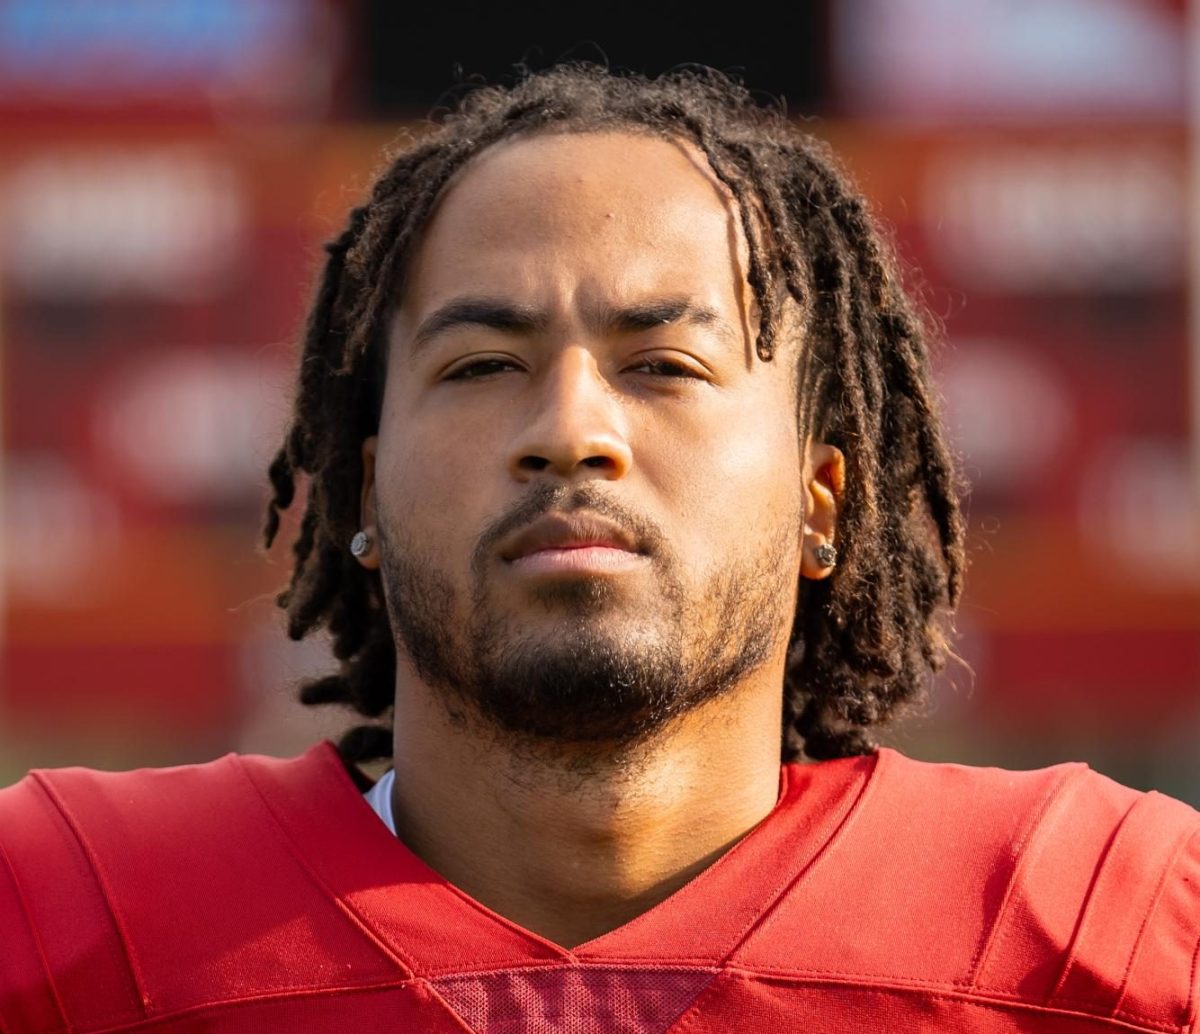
[790, 316]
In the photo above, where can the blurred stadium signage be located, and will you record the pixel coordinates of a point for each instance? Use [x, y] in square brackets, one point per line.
[1012, 61]
[200, 59]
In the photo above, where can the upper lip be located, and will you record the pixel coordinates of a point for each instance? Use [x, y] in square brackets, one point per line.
[567, 531]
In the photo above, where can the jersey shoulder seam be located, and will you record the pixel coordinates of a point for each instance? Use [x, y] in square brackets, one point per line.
[102, 882]
[35, 937]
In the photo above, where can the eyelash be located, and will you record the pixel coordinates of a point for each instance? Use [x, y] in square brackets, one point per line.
[667, 368]
[471, 371]
[484, 368]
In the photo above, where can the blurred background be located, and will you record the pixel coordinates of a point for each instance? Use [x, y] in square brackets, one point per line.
[168, 169]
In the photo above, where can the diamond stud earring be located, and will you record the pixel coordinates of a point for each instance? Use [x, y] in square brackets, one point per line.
[825, 554]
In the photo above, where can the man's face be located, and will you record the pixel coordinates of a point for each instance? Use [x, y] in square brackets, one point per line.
[586, 487]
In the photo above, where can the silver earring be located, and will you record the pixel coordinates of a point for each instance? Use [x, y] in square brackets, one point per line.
[360, 545]
[826, 554]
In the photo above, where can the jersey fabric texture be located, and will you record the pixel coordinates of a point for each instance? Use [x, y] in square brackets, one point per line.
[881, 894]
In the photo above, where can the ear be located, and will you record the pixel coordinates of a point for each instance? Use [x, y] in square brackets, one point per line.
[367, 514]
[824, 484]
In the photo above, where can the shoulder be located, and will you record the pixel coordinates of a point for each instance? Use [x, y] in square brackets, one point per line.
[1057, 886]
[81, 809]
[969, 811]
[1067, 812]
[1015, 802]
[104, 877]
[1095, 895]
[65, 827]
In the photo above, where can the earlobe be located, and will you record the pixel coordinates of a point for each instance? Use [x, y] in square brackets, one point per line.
[365, 544]
[824, 486]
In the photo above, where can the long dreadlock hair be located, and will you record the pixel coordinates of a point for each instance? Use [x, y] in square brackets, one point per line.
[864, 641]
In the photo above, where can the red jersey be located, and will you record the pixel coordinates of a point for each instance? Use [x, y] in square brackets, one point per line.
[881, 894]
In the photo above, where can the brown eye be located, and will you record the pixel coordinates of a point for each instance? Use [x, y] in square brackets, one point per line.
[666, 368]
[479, 369]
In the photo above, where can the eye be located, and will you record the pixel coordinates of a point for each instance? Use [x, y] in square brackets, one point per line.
[667, 368]
[479, 369]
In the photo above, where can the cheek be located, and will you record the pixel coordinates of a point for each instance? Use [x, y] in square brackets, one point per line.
[419, 491]
[758, 482]
[733, 482]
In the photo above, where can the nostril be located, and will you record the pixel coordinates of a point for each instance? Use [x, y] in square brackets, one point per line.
[534, 463]
[597, 461]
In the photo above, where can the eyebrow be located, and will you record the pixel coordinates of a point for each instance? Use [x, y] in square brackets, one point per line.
[656, 313]
[478, 312]
[510, 318]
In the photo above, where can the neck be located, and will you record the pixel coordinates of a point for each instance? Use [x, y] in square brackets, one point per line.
[572, 848]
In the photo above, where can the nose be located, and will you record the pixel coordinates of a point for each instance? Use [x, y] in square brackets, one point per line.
[576, 427]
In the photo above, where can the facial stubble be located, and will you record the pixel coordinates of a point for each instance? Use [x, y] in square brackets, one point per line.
[614, 666]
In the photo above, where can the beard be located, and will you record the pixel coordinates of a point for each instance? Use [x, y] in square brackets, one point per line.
[616, 669]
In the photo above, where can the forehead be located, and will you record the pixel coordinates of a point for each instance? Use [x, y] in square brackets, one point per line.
[608, 209]
[616, 169]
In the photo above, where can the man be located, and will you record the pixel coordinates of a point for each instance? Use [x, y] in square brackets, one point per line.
[624, 477]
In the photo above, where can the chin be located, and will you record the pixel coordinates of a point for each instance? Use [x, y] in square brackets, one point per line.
[586, 683]
[577, 595]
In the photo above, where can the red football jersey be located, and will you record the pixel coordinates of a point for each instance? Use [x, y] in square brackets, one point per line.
[881, 894]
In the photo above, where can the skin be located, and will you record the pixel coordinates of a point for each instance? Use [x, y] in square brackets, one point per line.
[676, 422]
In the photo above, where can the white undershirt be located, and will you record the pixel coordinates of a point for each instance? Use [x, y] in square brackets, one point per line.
[379, 797]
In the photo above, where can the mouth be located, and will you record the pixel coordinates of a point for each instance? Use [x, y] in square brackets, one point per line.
[573, 543]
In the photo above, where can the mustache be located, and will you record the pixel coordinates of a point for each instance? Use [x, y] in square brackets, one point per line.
[544, 498]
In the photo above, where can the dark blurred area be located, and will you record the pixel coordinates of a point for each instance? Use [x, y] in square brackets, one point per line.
[168, 171]
[418, 58]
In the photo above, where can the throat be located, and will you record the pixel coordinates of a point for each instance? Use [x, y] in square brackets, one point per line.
[571, 856]
[573, 916]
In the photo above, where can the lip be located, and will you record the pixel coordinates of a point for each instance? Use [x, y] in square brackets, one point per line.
[589, 560]
[571, 541]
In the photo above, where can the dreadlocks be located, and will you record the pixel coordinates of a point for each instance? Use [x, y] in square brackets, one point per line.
[864, 641]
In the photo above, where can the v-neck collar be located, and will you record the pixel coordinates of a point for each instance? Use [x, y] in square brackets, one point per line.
[431, 928]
